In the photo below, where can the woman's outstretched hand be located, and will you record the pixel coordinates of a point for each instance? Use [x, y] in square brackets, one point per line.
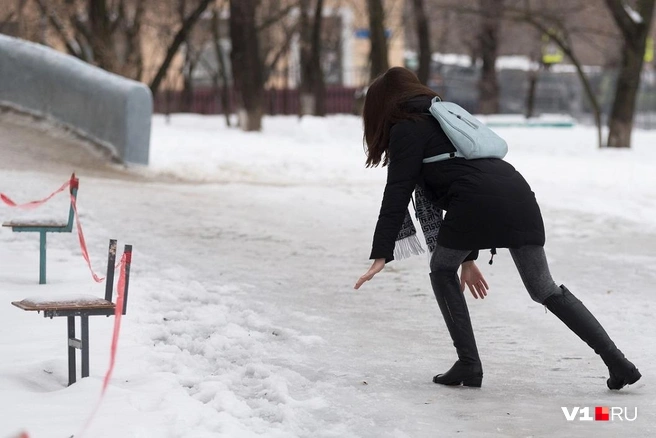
[472, 277]
[376, 267]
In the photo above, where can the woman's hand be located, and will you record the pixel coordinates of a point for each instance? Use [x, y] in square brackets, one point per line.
[376, 267]
[472, 277]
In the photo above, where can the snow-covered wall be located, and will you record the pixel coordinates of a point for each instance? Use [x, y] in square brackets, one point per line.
[109, 109]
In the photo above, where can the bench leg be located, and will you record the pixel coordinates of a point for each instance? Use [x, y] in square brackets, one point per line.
[42, 258]
[71, 351]
[84, 323]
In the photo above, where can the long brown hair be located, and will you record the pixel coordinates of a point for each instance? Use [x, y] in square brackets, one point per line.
[383, 106]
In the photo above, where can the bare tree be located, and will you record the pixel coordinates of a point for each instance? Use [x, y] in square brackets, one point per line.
[181, 35]
[189, 64]
[276, 33]
[73, 46]
[105, 34]
[556, 29]
[554, 20]
[378, 55]
[634, 26]
[533, 77]
[313, 87]
[222, 71]
[423, 38]
[246, 63]
[488, 40]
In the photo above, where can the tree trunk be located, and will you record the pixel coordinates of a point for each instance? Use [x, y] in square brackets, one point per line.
[533, 76]
[221, 67]
[246, 64]
[179, 38]
[488, 39]
[188, 65]
[635, 35]
[319, 85]
[134, 58]
[188, 84]
[305, 95]
[100, 36]
[628, 82]
[313, 88]
[378, 53]
[423, 38]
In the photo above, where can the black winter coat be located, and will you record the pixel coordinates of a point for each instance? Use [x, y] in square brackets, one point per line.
[488, 203]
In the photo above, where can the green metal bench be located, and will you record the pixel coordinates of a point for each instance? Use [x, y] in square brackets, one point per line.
[45, 227]
[83, 306]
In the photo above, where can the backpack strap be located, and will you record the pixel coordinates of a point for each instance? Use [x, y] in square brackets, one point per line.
[442, 157]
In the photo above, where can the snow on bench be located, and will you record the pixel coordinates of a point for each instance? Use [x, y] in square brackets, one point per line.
[83, 306]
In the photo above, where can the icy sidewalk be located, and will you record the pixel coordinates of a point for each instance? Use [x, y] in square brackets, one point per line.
[243, 321]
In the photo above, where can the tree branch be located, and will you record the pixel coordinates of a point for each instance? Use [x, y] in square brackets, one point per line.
[59, 28]
[627, 26]
[135, 25]
[222, 71]
[277, 17]
[81, 27]
[289, 32]
[564, 45]
[180, 37]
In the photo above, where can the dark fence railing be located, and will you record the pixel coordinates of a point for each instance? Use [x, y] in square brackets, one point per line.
[339, 100]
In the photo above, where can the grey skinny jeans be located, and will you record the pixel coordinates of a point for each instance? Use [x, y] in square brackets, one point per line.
[530, 260]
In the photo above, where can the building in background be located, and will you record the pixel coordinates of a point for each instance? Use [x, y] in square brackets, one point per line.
[345, 38]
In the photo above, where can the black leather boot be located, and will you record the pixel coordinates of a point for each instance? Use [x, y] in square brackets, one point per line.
[467, 370]
[578, 318]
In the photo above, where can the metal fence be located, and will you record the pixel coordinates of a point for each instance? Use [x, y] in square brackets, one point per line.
[555, 93]
[339, 100]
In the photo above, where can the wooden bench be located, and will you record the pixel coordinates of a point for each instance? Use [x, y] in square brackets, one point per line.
[45, 227]
[83, 307]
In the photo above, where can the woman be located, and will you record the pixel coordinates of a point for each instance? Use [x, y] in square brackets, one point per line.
[488, 204]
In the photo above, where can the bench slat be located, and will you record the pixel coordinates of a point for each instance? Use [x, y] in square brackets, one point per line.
[35, 224]
[91, 304]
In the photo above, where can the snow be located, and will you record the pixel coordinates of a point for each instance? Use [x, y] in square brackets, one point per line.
[65, 298]
[242, 320]
[509, 62]
[635, 15]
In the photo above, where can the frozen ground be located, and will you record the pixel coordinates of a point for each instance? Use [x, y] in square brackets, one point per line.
[242, 320]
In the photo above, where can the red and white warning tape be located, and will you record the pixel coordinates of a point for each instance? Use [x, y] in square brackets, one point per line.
[118, 313]
[29, 205]
[73, 183]
[120, 288]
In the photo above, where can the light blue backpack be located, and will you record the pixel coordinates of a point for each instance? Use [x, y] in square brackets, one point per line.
[471, 138]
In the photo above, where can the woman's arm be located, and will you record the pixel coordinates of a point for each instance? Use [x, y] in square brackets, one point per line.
[404, 168]
[406, 155]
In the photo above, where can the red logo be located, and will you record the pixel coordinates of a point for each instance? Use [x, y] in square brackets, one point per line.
[602, 413]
